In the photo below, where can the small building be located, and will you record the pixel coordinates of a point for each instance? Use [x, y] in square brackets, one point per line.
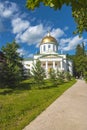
[49, 57]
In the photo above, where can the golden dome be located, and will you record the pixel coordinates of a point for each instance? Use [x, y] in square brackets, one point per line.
[48, 39]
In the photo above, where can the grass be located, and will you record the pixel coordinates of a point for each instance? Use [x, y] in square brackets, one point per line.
[20, 106]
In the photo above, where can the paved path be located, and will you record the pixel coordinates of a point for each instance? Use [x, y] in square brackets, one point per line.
[68, 112]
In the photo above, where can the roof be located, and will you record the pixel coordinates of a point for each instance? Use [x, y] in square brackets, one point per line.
[28, 59]
[48, 39]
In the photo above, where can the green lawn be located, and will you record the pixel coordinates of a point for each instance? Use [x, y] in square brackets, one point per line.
[20, 106]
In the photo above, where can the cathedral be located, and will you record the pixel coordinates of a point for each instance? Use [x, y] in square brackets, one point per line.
[49, 57]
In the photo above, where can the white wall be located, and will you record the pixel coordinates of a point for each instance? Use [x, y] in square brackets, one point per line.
[48, 48]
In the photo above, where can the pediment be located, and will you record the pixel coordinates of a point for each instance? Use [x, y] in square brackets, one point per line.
[50, 56]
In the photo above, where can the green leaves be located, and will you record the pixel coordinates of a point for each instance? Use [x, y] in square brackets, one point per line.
[79, 10]
[79, 61]
[12, 69]
[38, 72]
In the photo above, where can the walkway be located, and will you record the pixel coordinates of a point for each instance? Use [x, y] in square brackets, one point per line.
[68, 112]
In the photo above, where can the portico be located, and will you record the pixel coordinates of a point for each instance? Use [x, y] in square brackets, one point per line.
[52, 64]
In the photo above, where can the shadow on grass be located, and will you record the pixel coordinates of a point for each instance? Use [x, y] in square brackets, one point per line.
[5, 92]
[28, 85]
[15, 89]
[24, 86]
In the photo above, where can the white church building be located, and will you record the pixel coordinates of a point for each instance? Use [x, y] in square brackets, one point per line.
[49, 57]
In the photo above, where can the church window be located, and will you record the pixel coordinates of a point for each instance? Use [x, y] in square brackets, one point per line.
[53, 47]
[48, 46]
[44, 47]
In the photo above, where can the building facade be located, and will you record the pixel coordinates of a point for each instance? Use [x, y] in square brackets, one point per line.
[49, 57]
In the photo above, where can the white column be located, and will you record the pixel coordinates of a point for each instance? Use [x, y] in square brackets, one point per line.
[61, 65]
[54, 65]
[46, 65]
[40, 49]
[46, 69]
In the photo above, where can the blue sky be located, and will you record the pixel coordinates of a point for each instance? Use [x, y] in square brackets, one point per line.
[29, 27]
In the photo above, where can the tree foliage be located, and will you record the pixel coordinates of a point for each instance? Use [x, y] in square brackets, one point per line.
[80, 50]
[12, 70]
[38, 72]
[79, 10]
[79, 61]
[60, 76]
[53, 76]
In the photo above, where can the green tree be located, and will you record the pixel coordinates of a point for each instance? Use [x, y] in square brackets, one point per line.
[53, 77]
[12, 70]
[38, 73]
[67, 76]
[80, 65]
[60, 76]
[2, 72]
[85, 75]
[80, 50]
[79, 10]
[79, 61]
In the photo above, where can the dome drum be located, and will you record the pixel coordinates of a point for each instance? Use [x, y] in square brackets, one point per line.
[48, 45]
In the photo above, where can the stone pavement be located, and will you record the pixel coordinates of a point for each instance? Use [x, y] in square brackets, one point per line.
[68, 112]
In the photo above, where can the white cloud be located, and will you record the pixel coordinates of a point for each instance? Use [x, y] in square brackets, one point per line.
[66, 28]
[57, 33]
[32, 35]
[19, 25]
[7, 9]
[70, 43]
[22, 52]
[64, 41]
[30, 55]
[23, 30]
